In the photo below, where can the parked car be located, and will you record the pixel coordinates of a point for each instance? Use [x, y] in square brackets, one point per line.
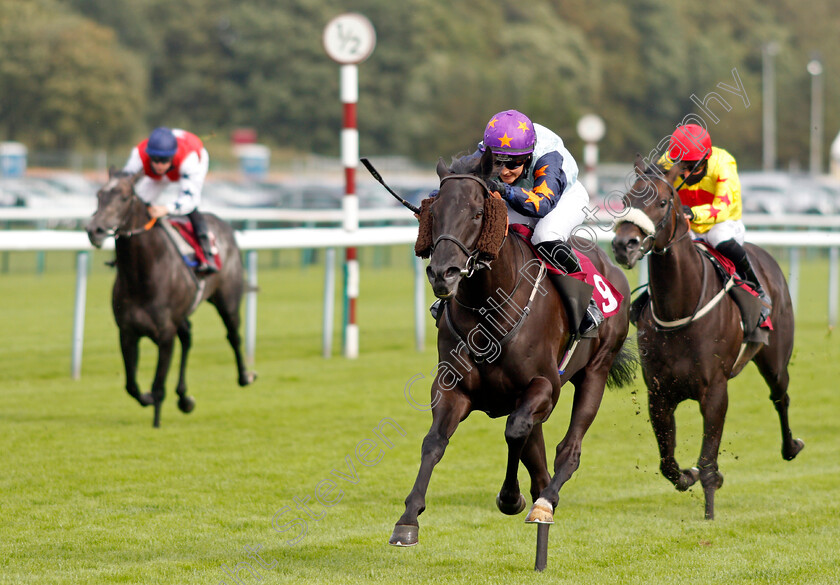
[779, 193]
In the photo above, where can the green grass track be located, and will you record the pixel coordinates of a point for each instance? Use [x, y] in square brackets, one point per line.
[91, 493]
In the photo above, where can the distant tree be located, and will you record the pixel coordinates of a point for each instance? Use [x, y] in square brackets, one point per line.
[66, 81]
[440, 69]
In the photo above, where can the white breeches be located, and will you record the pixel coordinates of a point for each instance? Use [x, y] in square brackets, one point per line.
[564, 218]
[731, 229]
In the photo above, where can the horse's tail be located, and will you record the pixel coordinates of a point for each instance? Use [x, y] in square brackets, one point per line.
[623, 370]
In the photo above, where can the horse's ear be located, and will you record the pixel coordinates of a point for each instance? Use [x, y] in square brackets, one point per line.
[137, 176]
[112, 170]
[675, 170]
[639, 165]
[485, 165]
[442, 169]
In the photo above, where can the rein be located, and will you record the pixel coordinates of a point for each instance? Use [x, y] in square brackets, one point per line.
[513, 292]
[526, 310]
[127, 233]
[118, 233]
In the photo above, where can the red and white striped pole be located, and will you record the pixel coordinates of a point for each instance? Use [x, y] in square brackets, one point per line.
[349, 39]
[350, 158]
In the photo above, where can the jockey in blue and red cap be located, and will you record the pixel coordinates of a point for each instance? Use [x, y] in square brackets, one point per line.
[174, 156]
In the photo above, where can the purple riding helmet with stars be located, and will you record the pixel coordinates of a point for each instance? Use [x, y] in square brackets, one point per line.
[509, 134]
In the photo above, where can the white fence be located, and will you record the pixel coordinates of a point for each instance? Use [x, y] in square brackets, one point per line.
[251, 241]
[387, 214]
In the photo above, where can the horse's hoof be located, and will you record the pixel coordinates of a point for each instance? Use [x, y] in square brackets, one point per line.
[511, 509]
[688, 478]
[542, 512]
[186, 404]
[247, 378]
[145, 399]
[793, 450]
[404, 535]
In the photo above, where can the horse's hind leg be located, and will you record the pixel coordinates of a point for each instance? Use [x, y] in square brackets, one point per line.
[589, 389]
[450, 408]
[229, 312]
[535, 406]
[773, 368]
[129, 345]
[185, 403]
[661, 412]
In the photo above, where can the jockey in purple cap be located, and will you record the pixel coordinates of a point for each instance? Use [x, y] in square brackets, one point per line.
[539, 182]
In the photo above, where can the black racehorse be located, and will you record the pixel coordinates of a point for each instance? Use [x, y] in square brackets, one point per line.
[500, 342]
[691, 340]
[155, 291]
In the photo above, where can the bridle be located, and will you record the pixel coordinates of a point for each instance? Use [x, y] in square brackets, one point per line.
[121, 232]
[699, 310]
[649, 240]
[473, 263]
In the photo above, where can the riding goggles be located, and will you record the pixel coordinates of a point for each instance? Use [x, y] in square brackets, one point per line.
[512, 163]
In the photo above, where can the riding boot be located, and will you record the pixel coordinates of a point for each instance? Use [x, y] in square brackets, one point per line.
[560, 255]
[738, 255]
[203, 236]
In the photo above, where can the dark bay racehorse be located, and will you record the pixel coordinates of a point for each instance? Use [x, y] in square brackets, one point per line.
[697, 359]
[500, 342]
[155, 291]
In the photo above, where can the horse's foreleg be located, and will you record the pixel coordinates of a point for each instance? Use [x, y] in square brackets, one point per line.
[588, 394]
[229, 312]
[661, 411]
[165, 346]
[713, 406]
[451, 408]
[533, 457]
[185, 403]
[773, 369]
[130, 347]
[534, 407]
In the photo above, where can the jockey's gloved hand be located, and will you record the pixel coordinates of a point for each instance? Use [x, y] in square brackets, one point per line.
[497, 185]
[687, 212]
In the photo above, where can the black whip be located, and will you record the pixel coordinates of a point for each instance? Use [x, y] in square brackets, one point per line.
[379, 178]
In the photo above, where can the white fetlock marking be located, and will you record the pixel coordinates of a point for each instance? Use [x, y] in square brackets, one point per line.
[542, 512]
